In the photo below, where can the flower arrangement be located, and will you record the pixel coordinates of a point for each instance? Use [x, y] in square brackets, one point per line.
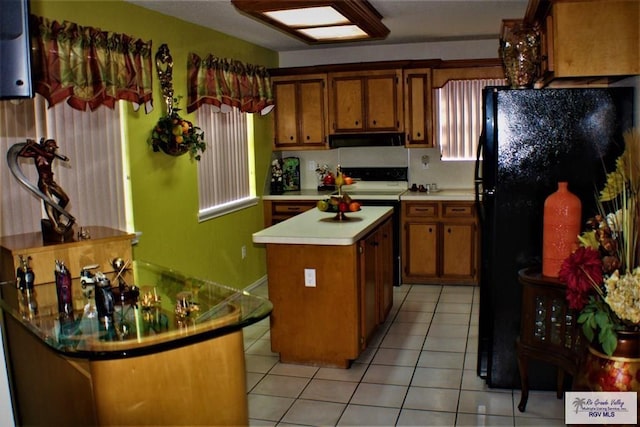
[603, 274]
[175, 135]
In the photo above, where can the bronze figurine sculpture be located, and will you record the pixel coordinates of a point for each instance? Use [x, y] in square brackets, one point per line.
[58, 226]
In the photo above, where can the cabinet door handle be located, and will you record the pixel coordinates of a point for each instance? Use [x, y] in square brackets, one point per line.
[293, 208]
[459, 209]
[357, 122]
[430, 230]
[291, 138]
[418, 134]
[308, 137]
[449, 230]
[374, 122]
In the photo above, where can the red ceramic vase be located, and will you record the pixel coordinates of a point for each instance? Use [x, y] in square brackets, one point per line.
[562, 216]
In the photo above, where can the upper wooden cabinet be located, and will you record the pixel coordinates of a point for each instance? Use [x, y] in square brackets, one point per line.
[587, 38]
[418, 107]
[365, 101]
[300, 115]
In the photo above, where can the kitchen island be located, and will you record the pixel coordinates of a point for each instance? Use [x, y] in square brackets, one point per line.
[330, 283]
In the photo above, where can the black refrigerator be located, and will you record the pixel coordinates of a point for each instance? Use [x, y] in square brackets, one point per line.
[531, 140]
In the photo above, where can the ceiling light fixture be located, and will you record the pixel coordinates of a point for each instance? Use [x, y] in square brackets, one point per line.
[319, 21]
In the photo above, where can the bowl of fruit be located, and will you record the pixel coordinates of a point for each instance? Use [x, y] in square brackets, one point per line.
[338, 204]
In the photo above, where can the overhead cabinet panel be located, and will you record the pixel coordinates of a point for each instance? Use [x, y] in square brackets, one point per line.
[366, 101]
[300, 116]
[418, 108]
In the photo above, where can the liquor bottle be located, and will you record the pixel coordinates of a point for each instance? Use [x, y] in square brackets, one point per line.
[104, 300]
[63, 289]
[25, 279]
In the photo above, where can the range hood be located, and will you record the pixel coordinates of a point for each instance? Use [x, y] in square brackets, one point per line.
[367, 140]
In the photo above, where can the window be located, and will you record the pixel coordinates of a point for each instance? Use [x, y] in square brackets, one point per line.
[459, 123]
[225, 173]
[93, 178]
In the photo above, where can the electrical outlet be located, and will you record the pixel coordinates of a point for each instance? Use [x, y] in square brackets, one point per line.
[310, 277]
[243, 250]
[311, 165]
[425, 162]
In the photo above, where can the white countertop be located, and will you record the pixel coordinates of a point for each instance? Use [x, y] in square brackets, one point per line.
[314, 227]
[312, 194]
[445, 194]
[308, 194]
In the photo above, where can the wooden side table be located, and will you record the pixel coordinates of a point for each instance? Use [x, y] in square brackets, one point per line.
[549, 331]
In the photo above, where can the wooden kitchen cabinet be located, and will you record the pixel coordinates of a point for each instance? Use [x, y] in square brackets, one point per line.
[418, 108]
[300, 116]
[366, 101]
[587, 38]
[439, 242]
[276, 211]
[376, 251]
[104, 245]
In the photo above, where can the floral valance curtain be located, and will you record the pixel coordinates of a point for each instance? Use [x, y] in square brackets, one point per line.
[89, 67]
[227, 83]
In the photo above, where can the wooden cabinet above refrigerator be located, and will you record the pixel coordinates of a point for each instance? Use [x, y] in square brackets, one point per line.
[597, 40]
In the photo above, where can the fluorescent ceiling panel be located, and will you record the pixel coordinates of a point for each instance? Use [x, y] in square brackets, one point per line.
[308, 17]
[334, 33]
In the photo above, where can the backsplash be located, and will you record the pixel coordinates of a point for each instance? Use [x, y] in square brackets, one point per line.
[448, 175]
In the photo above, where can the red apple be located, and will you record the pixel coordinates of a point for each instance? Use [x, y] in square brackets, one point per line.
[329, 179]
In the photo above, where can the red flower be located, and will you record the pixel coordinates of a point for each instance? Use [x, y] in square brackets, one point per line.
[581, 271]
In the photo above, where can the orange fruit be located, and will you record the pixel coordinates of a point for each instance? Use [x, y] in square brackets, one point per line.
[354, 206]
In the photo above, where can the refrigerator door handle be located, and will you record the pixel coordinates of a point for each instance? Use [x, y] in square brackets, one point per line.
[477, 179]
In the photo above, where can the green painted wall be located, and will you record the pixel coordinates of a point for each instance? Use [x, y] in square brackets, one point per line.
[165, 188]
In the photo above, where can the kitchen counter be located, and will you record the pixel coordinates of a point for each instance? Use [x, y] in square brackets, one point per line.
[150, 364]
[304, 194]
[315, 227]
[463, 194]
[445, 194]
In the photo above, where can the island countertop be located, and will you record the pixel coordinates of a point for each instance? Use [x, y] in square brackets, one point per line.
[315, 227]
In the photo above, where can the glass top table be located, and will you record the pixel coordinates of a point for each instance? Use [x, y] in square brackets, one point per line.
[140, 309]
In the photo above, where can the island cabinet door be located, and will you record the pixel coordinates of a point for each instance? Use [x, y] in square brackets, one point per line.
[376, 279]
[384, 261]
[368, 306]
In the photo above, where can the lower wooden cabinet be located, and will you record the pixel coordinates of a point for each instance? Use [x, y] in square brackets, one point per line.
[439, 242]
[276, 211]
[330, 323]
[376, 252]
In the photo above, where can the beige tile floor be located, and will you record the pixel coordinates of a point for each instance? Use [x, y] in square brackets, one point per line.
[418, 371]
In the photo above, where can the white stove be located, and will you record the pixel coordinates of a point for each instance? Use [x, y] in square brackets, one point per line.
[376, 183]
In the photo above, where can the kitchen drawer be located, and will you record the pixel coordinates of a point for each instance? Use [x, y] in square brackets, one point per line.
[422, 209]
[278, 211]
[457, 210]
[292, 207]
